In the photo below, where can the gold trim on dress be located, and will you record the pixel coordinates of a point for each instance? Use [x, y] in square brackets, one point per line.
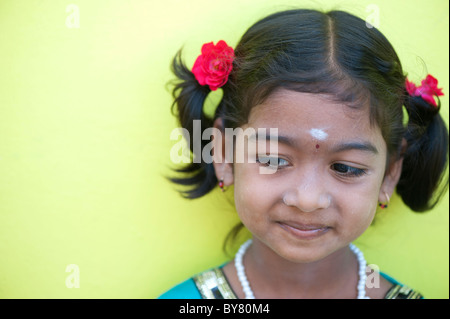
[212, 284]
[402, 292]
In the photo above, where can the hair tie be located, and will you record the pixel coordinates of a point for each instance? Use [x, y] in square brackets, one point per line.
[427, 90]
[214, 65]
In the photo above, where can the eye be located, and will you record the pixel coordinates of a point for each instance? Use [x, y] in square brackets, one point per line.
[347, 171]
[272, 162]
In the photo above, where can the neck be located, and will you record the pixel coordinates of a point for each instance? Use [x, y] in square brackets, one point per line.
[272, 276]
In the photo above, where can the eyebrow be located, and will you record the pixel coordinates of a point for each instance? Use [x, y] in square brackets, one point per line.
[360, 146]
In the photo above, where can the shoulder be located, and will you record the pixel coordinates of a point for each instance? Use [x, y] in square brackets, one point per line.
[185, 290]
[399, 290]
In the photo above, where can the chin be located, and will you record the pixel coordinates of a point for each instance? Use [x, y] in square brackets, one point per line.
[303, 254]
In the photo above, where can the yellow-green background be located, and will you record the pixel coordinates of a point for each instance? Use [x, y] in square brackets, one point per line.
[84, 146]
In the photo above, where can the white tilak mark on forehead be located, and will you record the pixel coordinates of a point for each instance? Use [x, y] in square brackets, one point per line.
[318, 134]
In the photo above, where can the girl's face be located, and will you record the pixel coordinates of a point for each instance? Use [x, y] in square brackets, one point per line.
[328, 178]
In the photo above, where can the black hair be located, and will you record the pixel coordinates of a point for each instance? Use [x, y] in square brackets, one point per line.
[333, 53]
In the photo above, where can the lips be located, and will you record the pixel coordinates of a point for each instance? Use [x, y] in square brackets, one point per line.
[304, 231]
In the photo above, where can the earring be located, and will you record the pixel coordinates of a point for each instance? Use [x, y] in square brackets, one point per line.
[384, 205]
[221, 184]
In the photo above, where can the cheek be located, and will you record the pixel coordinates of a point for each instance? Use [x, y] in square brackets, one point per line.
[359, 213]
[367, 214]
[357, 202]
[250, 194]
[242, 190]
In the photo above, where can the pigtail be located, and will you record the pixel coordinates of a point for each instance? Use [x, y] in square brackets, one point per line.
[189, 97]
[426, 157]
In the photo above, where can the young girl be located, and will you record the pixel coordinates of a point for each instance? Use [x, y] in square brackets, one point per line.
[334, 89]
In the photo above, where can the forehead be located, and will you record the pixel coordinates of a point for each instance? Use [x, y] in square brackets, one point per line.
[297, 113]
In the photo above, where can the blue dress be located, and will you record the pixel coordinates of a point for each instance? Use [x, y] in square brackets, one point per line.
[213, 284]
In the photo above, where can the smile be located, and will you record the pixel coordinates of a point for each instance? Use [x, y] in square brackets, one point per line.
[303, 231]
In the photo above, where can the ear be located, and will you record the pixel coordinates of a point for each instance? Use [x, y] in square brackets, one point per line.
[392, 175]
[223, 168]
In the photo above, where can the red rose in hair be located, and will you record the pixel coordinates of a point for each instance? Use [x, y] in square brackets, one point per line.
[214, 65]
[427, 90]
[410, 87]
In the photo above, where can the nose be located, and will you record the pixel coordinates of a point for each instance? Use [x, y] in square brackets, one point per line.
[308, 193]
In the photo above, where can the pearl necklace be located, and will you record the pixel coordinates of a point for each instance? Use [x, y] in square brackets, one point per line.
[249, 293]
